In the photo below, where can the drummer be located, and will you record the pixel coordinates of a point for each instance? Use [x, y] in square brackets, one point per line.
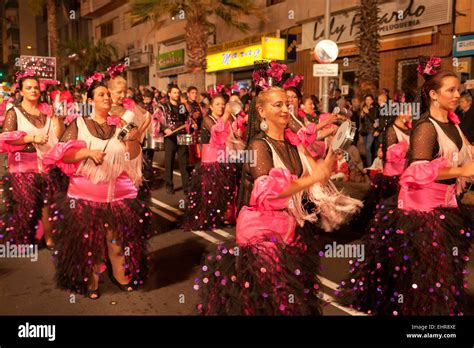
[176, 116]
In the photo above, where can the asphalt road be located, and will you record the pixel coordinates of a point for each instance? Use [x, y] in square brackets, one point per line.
[27, 288]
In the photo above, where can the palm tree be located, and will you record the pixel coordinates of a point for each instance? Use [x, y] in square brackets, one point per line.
[198, 25]
[87, 57]
[368, 43]
[37, 7]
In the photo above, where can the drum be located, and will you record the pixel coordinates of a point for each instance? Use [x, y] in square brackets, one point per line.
[344, 136]
[154, 143]
[186, 139]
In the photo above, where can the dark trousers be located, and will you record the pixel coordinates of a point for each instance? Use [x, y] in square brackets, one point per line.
[171, 148]
[148, 155]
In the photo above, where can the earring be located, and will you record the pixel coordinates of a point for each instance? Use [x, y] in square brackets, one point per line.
[264, 125]
[436, 104]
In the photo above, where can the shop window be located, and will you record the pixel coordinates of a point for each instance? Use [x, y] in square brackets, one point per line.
[107, 29]
[141, 76]
[407, 76]
[349, 79]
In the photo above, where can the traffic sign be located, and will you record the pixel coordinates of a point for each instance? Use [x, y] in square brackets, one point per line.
[325, 70]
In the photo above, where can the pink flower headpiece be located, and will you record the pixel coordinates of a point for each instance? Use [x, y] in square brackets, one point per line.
[96, 77]
[429, 66]
[293, 81]
[115, 69]
[213, 91]
[28, 72]
[269, 76]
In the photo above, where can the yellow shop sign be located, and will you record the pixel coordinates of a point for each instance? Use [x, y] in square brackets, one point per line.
[270, 48]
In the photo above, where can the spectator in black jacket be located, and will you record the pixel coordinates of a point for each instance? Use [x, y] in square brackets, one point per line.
[466, 116]
[369, 120]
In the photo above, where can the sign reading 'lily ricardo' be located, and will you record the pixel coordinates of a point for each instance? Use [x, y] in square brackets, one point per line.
[394, 17]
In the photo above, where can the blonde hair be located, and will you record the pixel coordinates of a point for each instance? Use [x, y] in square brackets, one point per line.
[117, 80]
[264, 96]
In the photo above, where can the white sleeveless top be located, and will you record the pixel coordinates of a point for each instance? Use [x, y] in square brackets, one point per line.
[49, 129]
[116, 160]
[455, 157]
[400, 135]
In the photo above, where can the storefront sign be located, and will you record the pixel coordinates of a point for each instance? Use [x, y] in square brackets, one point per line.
[273, 48]
[463, 46]
[171, 59]
[44, 67]
[394, 17]
[392, 42]
[463, 67]
[248, 41]
[291, 44]
[269, 48]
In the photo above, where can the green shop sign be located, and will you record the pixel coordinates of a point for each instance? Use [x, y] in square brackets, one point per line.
[171, 59]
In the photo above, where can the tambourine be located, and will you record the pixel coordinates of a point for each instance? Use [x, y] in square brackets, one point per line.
[125, 131]
[344, 136]
[236, 107]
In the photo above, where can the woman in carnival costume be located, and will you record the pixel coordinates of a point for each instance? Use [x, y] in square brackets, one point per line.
[418, 245]
[272, 268]
[395, 147]
[100, 220]
[211, 200]
[123, 107]
[130, 112]
[30, 130]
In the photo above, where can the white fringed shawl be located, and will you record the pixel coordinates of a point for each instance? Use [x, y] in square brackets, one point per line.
[116, 161]
[333, 207]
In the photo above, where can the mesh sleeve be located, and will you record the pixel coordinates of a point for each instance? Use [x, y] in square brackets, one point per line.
[70, 133]
[422, 142]
[10, 123]
[207, 124]
[264, 160]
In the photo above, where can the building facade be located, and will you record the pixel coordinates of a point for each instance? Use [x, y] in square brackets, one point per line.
[18, 35]
[408, 29]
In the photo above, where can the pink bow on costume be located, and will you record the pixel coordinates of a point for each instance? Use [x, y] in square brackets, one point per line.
[239, 123]
[45, 109]
[453, 117]
[128, 104]
[395, 159]
[113, 120]
[70, 118]
[305, 136]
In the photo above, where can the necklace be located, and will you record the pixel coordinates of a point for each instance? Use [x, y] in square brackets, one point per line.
[100, 130]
